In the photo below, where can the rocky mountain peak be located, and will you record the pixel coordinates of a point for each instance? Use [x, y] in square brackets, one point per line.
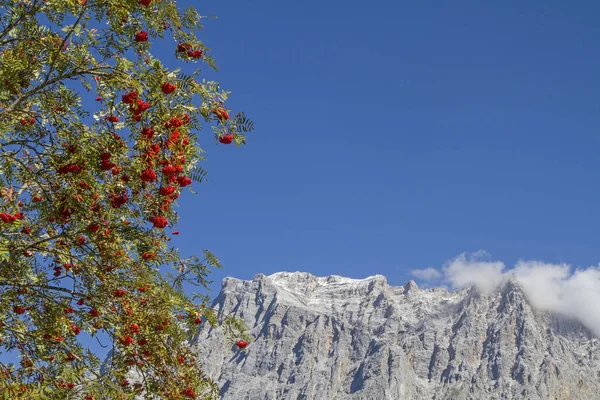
[410, 286]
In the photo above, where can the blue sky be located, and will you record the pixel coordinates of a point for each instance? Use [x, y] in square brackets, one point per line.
[395, 135]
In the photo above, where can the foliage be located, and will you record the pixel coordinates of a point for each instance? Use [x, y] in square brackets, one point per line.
[88, 188]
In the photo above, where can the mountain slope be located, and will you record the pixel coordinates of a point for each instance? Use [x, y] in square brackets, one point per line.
[339, 338]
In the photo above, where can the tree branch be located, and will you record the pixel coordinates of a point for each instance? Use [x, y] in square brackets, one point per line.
[46, 287]
[67, 36]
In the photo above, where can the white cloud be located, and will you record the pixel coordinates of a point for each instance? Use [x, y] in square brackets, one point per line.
[426, 274]
[549, 287]
[474, 270]
[543, 283]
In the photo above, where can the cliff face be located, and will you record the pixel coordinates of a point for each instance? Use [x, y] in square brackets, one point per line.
[339, 338]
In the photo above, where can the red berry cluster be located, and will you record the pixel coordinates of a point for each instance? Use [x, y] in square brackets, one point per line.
[117, 200]
[174, 122]
[168, 88]
[129, 98]
[126, 340]
[169, 170]
[19, 310]
[159, 222]
[10, 218]
[75, 329]
[148, 133]
[183, 47]
[183, 181]
[195, 54]
[93, 227]
[189, 393]
[136, 105]
[105, 163]
[141, 36]
[148, 176]
[226, 139]
[68, 385]
[134, 328]
[69, 168]
[27, 121]
[172, 139]
[139, 107]
[167, 190]
[221, 114]
[187, 49]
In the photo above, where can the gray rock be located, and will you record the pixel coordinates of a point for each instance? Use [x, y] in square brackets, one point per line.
[340, 338]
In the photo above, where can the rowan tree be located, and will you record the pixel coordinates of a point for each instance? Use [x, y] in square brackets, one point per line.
[98, 140]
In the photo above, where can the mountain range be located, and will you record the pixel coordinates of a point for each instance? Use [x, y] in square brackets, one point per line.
[336, 338]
